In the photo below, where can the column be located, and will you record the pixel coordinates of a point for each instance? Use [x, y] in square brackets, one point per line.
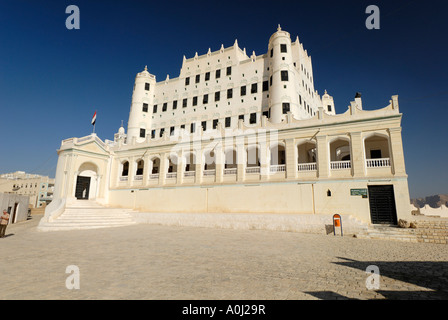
[397, 154]
[219, 163]
[198, 166]
[323, 159]
[180, 167]
[291, 163]
[163, 169]
[357, 154]
[242, 158]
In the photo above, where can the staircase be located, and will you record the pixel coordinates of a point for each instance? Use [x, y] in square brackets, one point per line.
[85, 214]
[427, 231]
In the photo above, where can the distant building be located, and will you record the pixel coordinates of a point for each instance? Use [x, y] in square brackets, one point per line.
[16, 205]
[38, 188]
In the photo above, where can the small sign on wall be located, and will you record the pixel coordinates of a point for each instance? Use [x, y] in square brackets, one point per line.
[359, 192]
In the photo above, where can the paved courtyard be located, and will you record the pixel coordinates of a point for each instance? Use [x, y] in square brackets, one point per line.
[159, 262]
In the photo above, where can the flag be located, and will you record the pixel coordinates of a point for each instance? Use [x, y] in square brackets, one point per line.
[94, 119]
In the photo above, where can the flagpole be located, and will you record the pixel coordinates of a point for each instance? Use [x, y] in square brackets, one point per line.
[94, 122]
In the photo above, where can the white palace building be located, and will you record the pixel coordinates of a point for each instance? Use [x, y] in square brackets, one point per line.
[237, 135]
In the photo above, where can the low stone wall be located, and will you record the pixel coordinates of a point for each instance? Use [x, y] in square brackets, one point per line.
[432, 231]
[442, 211]
[310, 223]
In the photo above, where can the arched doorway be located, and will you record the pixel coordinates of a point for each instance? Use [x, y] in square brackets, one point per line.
[86, 182]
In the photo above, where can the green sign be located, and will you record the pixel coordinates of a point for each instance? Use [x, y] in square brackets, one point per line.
[359, 192]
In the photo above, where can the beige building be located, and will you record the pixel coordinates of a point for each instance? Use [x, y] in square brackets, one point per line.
[38, 188]
[242, 134]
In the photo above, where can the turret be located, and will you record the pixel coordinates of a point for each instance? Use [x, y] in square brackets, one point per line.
[283, 91]
[140, 115]
[328, 104]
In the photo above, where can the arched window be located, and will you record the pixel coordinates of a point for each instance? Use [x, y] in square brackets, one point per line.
[278, 155]
[140, 165]
[125, 170]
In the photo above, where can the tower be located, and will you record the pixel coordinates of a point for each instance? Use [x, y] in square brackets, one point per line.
[283, 91]
[142, 100]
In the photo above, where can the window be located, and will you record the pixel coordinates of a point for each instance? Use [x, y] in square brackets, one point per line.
[283, 48]
[215, 123]
[285, 106]
[153, 134]
[228, 122]
[241, 117]
[207, 76]
[300, 99]
[142, 133]
[329, 108]
[272, 52]
[270, 81]
[171, 131]
[187, 81]
[229, 71]
[125, 170]
[253, 118]
[164, 107]
[284, 75]
[198, 77]
[193, 127]
[147, 86]
[229, 93]
[205, 99]
[254, 88]
[140, 165]
[154, 109]
[243, 90]
[217, 95]
[145, 107]
[175, 105]
[265, 85]
[162, 131]
[195, 101]
[184, 103]
[182, 126]
[218, 74]
[204, 125]
[266, 114]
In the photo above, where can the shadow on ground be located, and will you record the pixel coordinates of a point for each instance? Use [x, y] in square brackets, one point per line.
[432, 275]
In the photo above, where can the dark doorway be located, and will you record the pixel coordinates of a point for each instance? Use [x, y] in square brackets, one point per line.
[14, 212]
[82, 188]
[382, 205]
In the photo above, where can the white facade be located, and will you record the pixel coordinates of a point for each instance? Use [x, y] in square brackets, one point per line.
[228, 84]
[274, 147]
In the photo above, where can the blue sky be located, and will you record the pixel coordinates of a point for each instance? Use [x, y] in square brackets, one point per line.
[52, 79]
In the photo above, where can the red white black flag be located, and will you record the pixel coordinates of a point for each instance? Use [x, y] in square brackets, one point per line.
[94, 119]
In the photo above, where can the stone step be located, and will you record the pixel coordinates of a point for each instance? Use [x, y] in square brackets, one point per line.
[89, 215]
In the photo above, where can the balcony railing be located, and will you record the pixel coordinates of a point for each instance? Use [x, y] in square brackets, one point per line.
[378, 163]
[125, 178]
[312, 166]
[230, 171]
[338, 165]
[210, 172]
[154, 176]
[277, 168]
[171, 175]
[253, 170]
[189, 173]
[138, 178]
